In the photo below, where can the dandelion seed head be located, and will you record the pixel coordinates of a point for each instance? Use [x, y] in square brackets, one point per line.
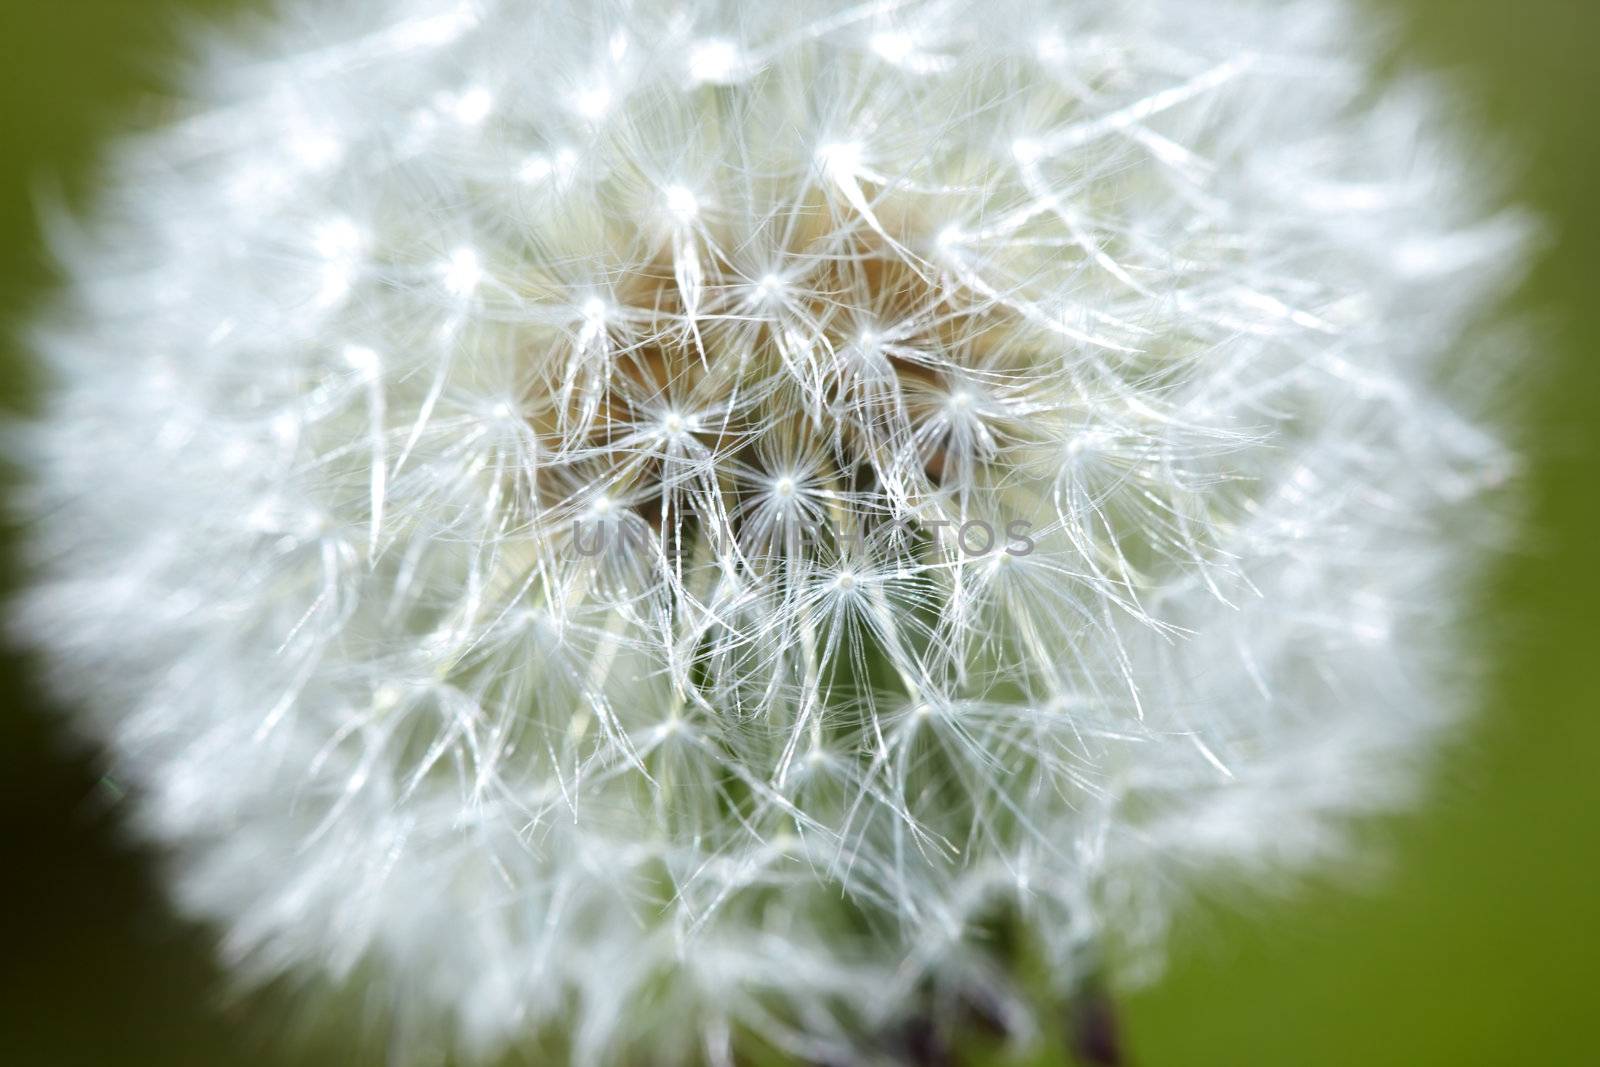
[553, 508]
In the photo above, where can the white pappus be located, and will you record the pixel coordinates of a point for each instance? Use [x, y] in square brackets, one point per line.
[511, 491]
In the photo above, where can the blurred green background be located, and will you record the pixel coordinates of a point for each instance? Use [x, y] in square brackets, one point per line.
[1481, 945]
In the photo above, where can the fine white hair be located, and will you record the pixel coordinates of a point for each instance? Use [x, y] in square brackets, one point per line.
[660, 520]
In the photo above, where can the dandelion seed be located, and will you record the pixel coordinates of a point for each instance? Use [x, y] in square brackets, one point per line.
[593, 103]
[839, 159]
[463, 272]
[894, 47]
[682, 203]
[470, 107]
[716, 61]
[536, 169]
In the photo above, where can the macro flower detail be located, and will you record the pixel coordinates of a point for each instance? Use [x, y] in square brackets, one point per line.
[656, 522]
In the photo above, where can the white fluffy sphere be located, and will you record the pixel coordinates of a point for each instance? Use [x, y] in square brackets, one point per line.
[666, 518]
